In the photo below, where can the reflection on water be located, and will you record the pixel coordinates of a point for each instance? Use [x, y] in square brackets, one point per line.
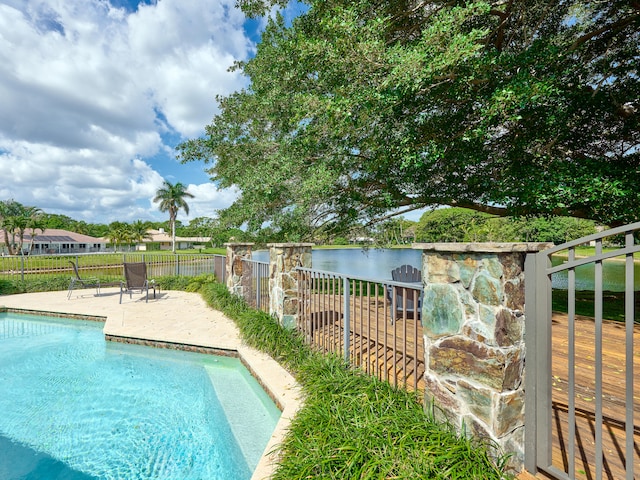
[613, 276]
[377, 264]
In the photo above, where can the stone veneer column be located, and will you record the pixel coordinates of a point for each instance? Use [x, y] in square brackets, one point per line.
[283, 279]
[236, 252]
[473, 318]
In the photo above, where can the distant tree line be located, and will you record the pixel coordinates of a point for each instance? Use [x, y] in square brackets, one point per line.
[441, 225]
[464, 225]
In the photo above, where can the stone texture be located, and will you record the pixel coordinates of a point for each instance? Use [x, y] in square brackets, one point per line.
[493, 266]
[468, 359]
[467, 267]
[236, 253]
[284, 258]
[487, 289]
[478, 399]
[474, 338]
[509, 327]
[514, 368]
[442, 270]
[514, 294]
[441, 400]
[509, 412]
[442, 311]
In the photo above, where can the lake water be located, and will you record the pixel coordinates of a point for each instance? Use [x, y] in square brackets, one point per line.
[374, 263]
[377, 263]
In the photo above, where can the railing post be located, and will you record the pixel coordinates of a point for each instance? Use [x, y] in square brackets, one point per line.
[284, 259]
[530, 417]
[258, 278]
[347, 317]
[474, 324]
[236, 252]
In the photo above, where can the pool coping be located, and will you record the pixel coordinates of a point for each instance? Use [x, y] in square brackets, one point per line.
[274, 379]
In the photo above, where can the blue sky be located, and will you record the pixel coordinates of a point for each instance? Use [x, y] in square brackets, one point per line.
[95, 94]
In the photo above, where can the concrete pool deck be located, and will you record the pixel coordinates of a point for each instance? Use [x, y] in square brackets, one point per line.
[181, 318]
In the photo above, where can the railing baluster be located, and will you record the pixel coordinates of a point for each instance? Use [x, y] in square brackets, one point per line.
[347, 317]
[629, 314]
[598, 354]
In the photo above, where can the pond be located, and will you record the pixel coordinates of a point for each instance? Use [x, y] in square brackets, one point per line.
[377, 263]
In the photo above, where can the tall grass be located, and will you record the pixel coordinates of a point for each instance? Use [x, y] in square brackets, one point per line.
[353, 426]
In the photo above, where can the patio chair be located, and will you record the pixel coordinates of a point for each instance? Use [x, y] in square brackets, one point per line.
[400, 304]
[136, 280]
[87, 282]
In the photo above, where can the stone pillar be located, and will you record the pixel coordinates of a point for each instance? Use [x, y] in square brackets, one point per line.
[236, 252]
[283, 279]
[473, 318]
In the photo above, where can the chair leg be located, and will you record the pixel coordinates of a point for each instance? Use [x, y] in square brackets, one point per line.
[71, 285]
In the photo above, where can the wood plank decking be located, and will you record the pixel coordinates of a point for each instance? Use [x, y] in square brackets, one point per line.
[392, 351]
[395, 352]
[613, 389]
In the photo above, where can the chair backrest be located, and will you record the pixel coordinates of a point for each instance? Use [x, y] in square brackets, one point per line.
[135, 274]
[406, 273]
[75, 269]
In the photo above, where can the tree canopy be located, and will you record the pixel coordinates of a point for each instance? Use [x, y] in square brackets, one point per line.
[464, 225]
[361, 108]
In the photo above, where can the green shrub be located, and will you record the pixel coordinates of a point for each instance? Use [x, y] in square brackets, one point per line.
[31, 285]
[353, 425]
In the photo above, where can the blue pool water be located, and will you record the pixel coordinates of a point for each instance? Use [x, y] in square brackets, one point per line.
[74, 407]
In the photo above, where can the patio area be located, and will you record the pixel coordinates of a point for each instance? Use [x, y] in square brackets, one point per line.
[174, 317]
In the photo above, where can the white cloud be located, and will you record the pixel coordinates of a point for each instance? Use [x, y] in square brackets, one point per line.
[88, 91]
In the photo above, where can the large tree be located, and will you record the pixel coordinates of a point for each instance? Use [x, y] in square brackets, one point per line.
[360, 108]
[172, 198]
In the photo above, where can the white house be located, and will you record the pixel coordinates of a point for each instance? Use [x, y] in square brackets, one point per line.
[56, 241]
[164, 240]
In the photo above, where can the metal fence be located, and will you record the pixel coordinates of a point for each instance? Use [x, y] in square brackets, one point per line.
[255, 286]
[582, 367]
[108, 266]
[372, 323]
[220, 267]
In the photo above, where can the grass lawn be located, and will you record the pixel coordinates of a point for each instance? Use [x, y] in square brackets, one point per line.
[612, 305]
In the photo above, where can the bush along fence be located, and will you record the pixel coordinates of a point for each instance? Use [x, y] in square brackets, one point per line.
[462, 348]
[108, 266]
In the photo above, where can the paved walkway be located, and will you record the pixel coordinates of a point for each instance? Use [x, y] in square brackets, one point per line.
[176, 317]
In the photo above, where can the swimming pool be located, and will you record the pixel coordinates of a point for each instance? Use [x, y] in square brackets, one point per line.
[75, 407]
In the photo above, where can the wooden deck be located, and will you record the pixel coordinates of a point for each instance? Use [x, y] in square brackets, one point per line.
[395, 352]
[613, 389]
[391, 351]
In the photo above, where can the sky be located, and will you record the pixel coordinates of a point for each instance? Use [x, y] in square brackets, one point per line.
[95, 94]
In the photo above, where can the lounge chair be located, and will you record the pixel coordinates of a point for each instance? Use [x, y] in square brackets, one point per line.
[136, 280]
[88, 282]
[402, 299]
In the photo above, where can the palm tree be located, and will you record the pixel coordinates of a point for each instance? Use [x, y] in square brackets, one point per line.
[16, 220]
[8, 209]
[172, 199]
[117, 234]
[139, 231]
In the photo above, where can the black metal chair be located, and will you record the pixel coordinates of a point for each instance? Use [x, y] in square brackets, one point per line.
[136, 280]
[87, 282]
